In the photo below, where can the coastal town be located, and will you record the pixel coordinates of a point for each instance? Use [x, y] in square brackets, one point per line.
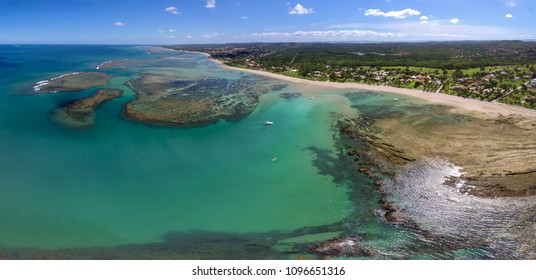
[511, 84]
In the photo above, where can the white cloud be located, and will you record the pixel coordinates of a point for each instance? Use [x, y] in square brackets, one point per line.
[213, 35]
[301, 10]
[161, 30]
[424, 20]
[170, 36]
[172, 10]
[211, 4]
[511, 4]
[435, 29]
[393, 14]
[119, 23]
[454, 20]
[244, 17]
[326, 34]
[509, 15]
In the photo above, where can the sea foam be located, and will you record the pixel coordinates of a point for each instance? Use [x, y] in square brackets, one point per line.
[37, 87]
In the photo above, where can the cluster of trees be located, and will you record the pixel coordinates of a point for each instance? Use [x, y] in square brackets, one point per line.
[443, 55]
[448, 55]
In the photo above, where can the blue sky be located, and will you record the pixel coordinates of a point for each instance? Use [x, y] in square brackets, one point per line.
[223, 21]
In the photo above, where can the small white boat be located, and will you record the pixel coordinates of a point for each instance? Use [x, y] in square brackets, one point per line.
[268, 123]
[274, 158]
[395, 99]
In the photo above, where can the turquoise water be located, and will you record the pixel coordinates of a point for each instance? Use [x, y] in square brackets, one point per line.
[116, 190]
[130, 183]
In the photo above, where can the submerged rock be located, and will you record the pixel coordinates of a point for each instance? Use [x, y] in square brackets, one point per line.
[80, 114]
[73, 82]
[194, 245]
[290, 95]
[278, 87]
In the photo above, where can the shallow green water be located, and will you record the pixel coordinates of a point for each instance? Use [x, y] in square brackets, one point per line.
[130, 183]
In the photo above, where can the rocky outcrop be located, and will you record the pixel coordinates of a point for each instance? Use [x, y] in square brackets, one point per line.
[367, 171]
[349, 246]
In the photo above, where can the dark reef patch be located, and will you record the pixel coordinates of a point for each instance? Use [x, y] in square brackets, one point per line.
[7, 64]
[195, 245]
[290, 95]
[177, 61]
[80, 114]
[172, 101]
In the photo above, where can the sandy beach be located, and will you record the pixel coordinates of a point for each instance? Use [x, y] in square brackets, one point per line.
[492, 108]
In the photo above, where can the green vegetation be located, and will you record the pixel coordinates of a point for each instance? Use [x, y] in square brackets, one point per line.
[501, 71]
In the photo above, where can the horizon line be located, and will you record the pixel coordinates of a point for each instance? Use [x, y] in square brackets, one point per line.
[275, 42]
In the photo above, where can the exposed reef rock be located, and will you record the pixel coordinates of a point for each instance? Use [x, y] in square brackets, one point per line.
[497, 155]
[80, 114]
[73, 82]
[169, 100]
[457, 180]
[362, 127]
[367, 171]
[349, 246]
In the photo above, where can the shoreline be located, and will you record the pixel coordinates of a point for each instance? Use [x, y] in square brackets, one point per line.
[490, 108]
